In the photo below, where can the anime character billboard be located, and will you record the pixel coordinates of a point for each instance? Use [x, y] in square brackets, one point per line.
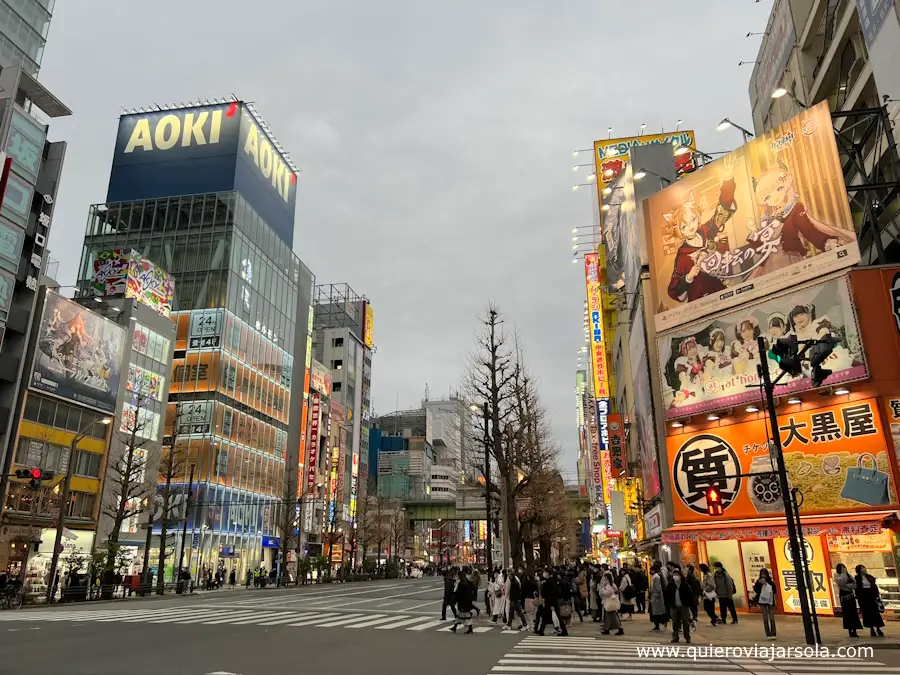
[78, 355]
[711, 364]
[770, 215]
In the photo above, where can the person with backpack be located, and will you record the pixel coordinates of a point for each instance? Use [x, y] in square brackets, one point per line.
[725, 590]
[627, 593]
[708, 594]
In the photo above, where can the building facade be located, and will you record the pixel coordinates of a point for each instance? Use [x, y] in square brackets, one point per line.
[216, 213]
[24, 25]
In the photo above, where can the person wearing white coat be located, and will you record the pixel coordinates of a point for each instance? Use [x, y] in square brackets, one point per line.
[609, 594]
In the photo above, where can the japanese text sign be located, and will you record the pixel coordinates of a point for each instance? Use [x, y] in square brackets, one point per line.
[836, 455]
[616, 444]
[313, 442]
[818, 573]
[595, 319]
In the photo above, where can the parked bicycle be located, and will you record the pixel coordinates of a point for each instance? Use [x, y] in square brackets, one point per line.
[13, 596]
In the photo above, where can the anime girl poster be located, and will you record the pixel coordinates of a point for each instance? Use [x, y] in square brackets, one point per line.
[770, 215]
[712, 364]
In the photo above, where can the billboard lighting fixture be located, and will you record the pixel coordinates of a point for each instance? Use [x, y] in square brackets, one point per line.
[607, 191]
[841, 391]
[640, 173]
[712, 418]
[677, 425]
[752, 409]
[793, 400]
[778, 93]
[605, 207]
[727, 123]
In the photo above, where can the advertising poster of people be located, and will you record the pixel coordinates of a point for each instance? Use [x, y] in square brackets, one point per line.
[642, 423]
[78, 355]
[620, 236]
[712, 364]
[770, 215]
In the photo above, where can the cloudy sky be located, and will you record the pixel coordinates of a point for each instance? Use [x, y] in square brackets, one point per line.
[435, 140]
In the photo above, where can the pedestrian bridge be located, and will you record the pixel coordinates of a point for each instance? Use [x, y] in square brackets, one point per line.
[469, 505]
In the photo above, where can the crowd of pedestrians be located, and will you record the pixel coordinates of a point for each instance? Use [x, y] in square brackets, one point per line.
[553, 596]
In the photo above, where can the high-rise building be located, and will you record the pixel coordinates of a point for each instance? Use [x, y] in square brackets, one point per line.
[34, 166]
[207, 194]
[342, 342]
[24, 25]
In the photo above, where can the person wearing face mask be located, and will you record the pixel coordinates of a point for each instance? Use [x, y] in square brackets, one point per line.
[870, 603]
[847, 592]
[679, 600]
[550, 606]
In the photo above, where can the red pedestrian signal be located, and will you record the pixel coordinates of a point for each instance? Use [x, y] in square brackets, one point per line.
[714, 501]
[36, 474]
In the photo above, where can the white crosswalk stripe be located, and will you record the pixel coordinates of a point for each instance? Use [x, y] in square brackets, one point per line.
[211, 615]
[591, 656]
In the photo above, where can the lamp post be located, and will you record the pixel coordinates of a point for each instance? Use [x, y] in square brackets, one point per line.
[64, 504]
[727, 123]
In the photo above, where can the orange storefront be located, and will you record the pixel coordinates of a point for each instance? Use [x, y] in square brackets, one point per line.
[840, 447]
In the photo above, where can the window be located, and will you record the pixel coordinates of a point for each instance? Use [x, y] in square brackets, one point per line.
[34, 453]
[51, 413]
[32, 407]
[81, 505]
[337, 364]
[88, 464]
[337, 342]
[336, 386]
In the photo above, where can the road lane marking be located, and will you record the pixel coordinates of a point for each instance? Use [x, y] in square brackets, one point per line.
[397, 624]
[339, 622]
[430, 624]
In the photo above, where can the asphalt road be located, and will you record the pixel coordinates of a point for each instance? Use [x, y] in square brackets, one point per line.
[362, 628]
[386, 626]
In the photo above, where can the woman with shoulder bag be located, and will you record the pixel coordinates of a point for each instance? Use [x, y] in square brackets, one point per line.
[870, 603]
[609, 594]
[847, 591]
[764, 596]
[627, 593]
[708, 588]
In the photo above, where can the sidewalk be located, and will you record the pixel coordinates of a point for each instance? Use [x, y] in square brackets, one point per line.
[748, 631]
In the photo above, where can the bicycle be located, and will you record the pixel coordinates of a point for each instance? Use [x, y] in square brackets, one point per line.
[13, 597]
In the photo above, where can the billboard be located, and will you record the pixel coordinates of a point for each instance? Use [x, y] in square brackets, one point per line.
[774, 52]
[643, 425]
[125, 273]
[836, 455]
[768, 216]
[620, 235]
[218, 147]
[712, 364]
[368, 326]
[611, 156]
[617, 457]
[320, 378]
[313, 461]
[78, 355]
[595, 458]
[595, 319]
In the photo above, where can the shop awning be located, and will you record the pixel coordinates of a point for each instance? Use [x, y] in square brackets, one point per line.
[867, 522]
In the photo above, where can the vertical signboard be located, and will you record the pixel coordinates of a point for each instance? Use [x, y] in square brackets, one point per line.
[368, 325]
[616, 444]
[596, 463]
[313, 443]
[595, 319]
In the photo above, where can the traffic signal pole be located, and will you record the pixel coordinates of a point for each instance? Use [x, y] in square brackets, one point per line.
[797, 553]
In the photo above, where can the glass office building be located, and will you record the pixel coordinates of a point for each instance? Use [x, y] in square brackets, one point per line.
[239, 294]
[24, 25]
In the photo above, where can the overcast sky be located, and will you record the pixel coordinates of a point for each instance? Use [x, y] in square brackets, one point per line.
[435, 140]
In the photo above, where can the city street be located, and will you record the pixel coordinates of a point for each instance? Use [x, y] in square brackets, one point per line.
[349, 628]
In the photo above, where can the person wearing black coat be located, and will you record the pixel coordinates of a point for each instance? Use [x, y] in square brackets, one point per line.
[869, 598]
[464, 595]
[639, 579]
[694, 583]
[449, 584]
[550, 596]
[679, 600]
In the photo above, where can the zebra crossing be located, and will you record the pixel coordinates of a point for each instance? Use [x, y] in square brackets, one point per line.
[611, 656]
[213, 615]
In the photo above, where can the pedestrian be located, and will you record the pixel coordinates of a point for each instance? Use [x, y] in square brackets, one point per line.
[232, 578]
[529, 593]
[708, 593]
[549, 606]
[581, 599]
[725, 590]
[847, 591]
[476, 584]
[870, 603]
[626, 593]
[449, 585]
[611, 598]
[249, 579]
[679, 600]
[764, 593]
[497, 587]
[514, 597]
[639, 579]
[658, 612]
[596, 605]
[694, 583]
[463, 593]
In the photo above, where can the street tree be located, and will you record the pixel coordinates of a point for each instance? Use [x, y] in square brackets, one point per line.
[172, 503]
[128, 486]
[287, 520]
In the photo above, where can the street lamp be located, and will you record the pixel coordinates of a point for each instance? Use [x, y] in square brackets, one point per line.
[642, 173]
[64, 503]
[727, 123]
[781, 91]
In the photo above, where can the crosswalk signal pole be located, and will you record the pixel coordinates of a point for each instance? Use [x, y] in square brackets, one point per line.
[794, 541]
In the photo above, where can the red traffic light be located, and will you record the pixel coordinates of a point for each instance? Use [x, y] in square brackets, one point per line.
[714, 501]
[36, 474]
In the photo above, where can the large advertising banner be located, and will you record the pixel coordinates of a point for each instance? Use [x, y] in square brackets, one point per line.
[596, 460]
[595, 319]
[616, 444]
[620, 235]
[643, 425]
[770, 215]
[837, 456]
[369, 326]
[819, 572]
[125, 273]
[313, 460]
[611, 156]
[78, 355]
[712, 364]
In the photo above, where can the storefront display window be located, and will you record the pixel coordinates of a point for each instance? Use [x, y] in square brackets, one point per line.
[728, 553]
[873, 551]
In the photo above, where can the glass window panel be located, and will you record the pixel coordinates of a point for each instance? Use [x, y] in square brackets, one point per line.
[47, 412]
[62, 412]
[32, 408]
[74, 419]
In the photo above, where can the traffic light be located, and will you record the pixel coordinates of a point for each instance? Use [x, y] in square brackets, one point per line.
[785, 353]
[34, 477]
[817, 355]
[714, 501]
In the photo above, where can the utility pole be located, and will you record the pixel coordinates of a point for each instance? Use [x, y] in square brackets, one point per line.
[487, 492]
[796, 545]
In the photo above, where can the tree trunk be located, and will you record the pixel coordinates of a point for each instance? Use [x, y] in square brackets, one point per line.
[163, 534]
[529, 548]
[544, 543]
